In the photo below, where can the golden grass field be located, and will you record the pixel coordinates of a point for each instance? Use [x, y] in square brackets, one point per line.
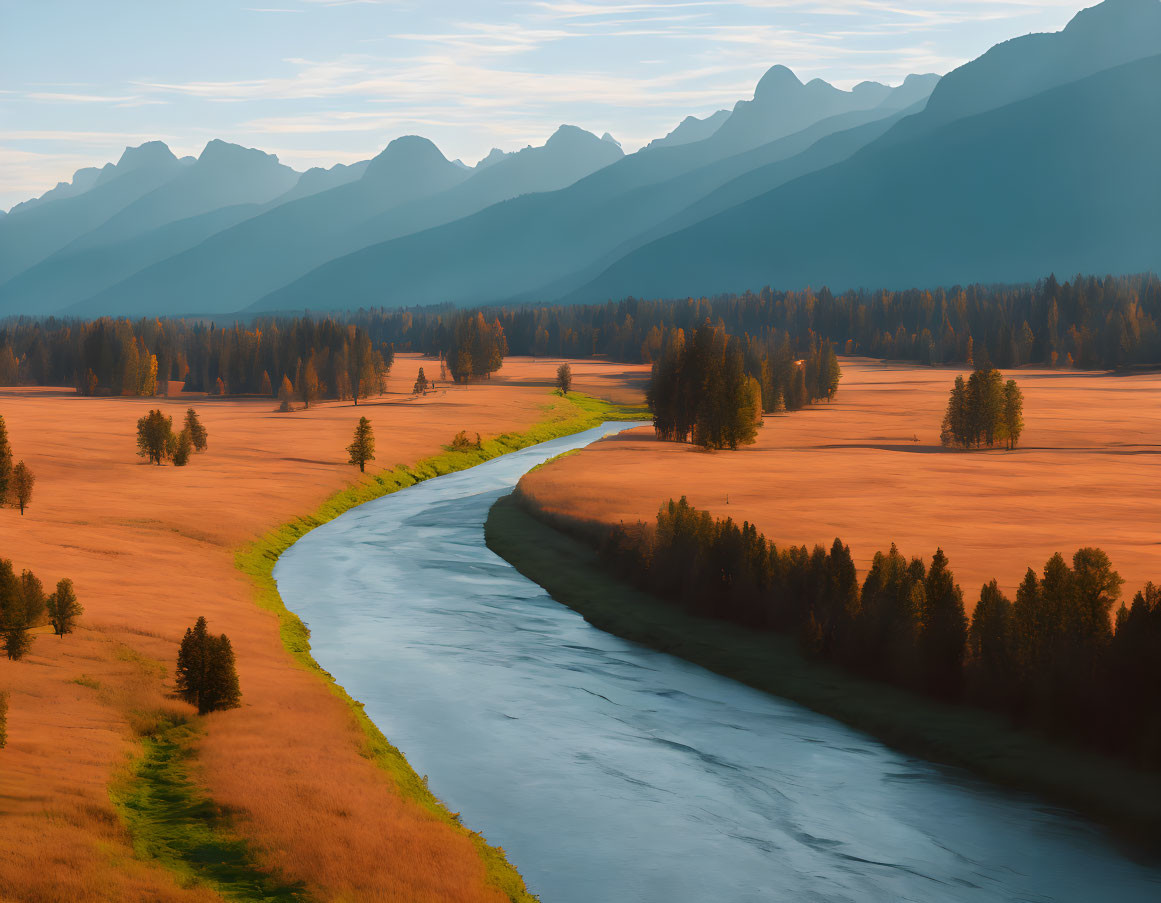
[869, 469]
[152, 548]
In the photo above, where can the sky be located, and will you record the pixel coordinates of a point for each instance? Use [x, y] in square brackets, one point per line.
[319, 82]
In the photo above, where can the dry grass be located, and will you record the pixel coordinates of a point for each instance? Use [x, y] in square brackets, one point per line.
[868, 468]
[152, 548]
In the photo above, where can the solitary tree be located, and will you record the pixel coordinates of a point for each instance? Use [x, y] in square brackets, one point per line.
[309, 388]
[5, 461]
[197, 433]
[22, 480]
[420, 387]
[362, 449]
[153, 436]
[286, 395]
[564, 379]
[63, 607]
[206, 673]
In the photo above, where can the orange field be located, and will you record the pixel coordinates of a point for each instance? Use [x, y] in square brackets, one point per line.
[869, 468]
[152, 548]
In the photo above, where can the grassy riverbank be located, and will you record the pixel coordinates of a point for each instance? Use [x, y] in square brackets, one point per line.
[563, 417]
[1126, 799]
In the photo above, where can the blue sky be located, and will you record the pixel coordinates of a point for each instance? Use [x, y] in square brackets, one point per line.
[332, 81]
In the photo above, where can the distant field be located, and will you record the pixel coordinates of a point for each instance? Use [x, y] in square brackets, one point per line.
[150, 549]
[869, 469]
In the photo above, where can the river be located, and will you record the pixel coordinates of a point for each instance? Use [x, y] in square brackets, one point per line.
[611, 773]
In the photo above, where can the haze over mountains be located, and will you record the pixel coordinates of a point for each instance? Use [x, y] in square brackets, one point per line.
[1041, 155]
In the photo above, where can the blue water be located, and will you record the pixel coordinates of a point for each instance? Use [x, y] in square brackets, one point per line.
[609, 772]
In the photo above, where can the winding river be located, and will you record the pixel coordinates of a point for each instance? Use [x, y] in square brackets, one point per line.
[610, 773]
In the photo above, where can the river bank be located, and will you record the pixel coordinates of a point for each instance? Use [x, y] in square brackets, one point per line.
[257, 560]
[1127, 800]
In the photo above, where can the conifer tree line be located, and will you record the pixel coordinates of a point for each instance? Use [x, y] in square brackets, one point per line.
[1089, 322]
[206, 673]
[24, 605]
[712, 389]
[320, 358]
[984, 410]
[1053, 658]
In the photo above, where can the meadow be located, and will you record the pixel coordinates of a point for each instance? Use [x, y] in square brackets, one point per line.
[293, 772]
[868, 468]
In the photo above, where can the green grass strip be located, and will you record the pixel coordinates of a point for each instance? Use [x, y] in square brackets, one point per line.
[564, 416]
[173, 822]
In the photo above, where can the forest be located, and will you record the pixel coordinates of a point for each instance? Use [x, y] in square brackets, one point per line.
[1055, 658]
[1091, 322]
[713, 389]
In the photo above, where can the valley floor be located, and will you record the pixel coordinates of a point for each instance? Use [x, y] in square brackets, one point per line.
[868, 468]
[152, 548]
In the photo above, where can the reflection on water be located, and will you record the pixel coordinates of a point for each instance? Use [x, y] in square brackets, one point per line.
[610, 772]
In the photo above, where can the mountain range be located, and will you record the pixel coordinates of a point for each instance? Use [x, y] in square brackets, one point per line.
[1039, 156]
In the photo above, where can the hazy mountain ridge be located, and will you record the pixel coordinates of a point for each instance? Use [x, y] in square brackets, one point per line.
[576, 217]
[970, 201]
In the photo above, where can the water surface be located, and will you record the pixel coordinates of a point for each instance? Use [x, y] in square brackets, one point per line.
[609, 772]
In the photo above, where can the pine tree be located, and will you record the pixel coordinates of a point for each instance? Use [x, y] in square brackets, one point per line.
[197, 433]
[308, 385]
[831, 372]
[1013, 412]
[286, 395]
[22, 482]
[264, 387]
[943, 630]
[182, 448]
[420, 387]
[206, 675]
[5, 462]
[3, 719]
[13, 613]
[362, 449]
[63, 607]
[360, 363]
[148, 386]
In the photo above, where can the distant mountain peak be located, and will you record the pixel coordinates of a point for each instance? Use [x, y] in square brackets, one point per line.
[150, 153]
[495, 155]
[1114, 13]
[777, 79]
[223, 153]
[610, 139]
[570, 134]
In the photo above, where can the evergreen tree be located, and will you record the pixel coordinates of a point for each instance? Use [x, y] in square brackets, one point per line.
[308, 384]
[420, 387]
[63, 607]
[1013, 412]
[831, 372]
[943, 630]
[181, 448]
[286, 395]
[990, 645]
[206, 675]
[264, 387]
[360, 363]
[154, 432]
[362, 448]
[197, 433]
[3, 719]
[5, 461]
[22, 482]
[13, 613]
